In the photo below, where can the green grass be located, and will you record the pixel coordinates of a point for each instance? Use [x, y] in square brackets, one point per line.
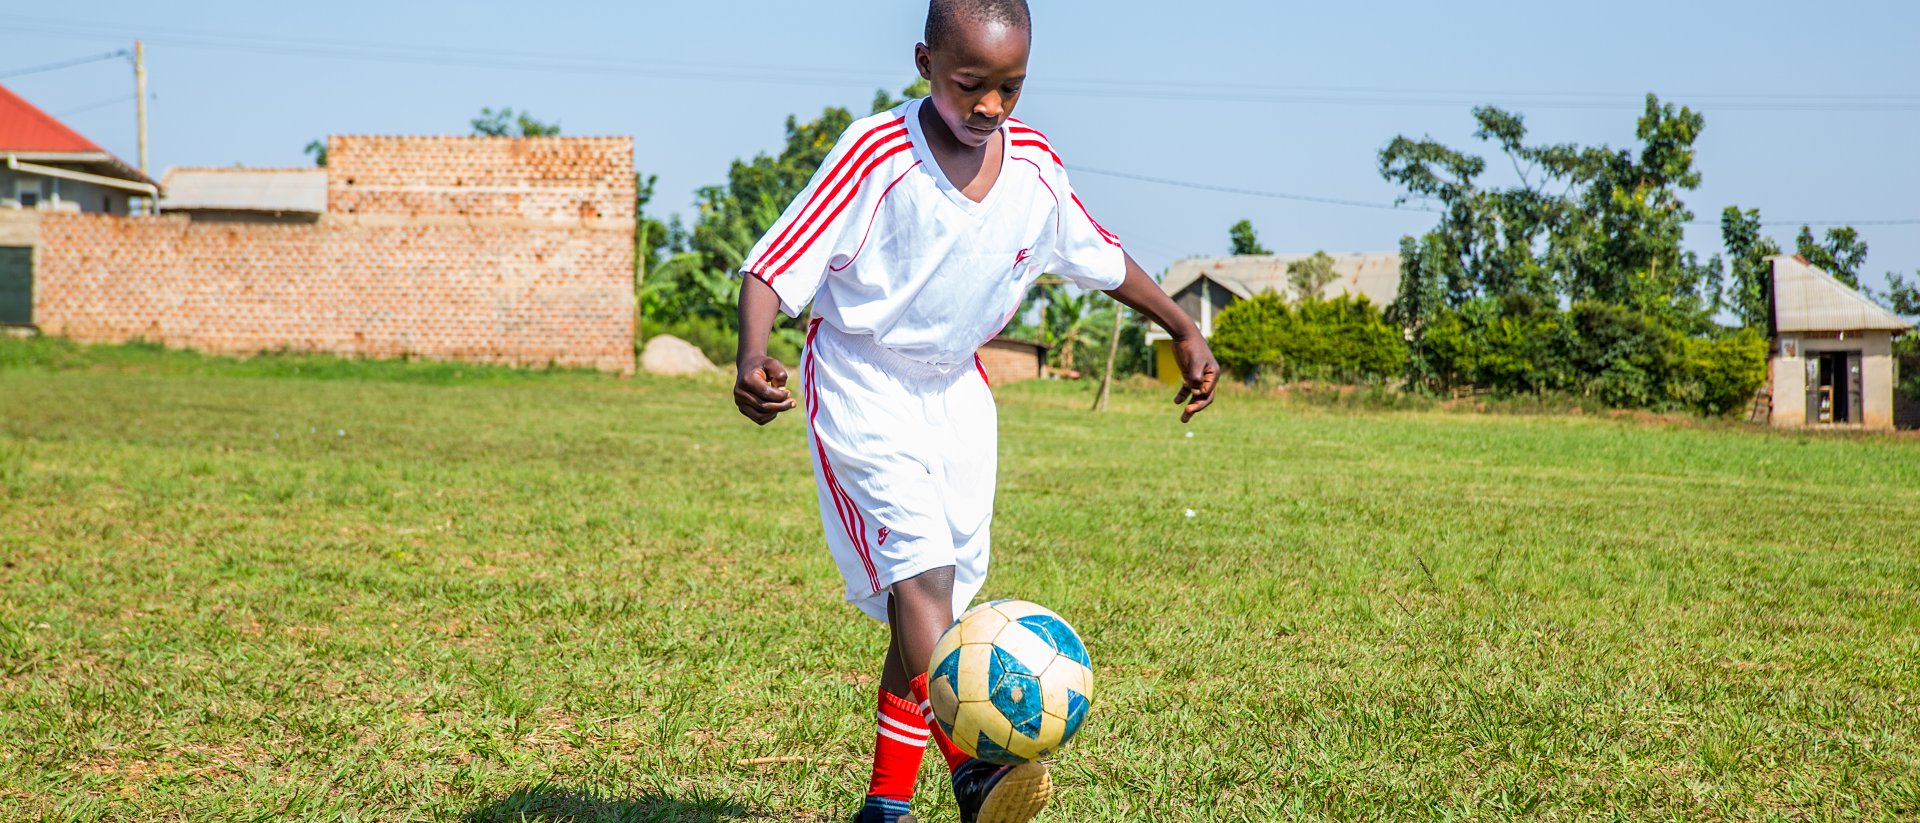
[231, 593]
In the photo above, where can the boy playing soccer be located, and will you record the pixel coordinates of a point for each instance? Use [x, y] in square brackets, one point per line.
[915, 243]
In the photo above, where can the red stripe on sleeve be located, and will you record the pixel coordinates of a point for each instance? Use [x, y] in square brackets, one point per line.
[1108, 236]
[782, 261]
[848, 161]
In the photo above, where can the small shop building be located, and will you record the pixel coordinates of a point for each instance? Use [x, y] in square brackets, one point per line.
[1832, 363]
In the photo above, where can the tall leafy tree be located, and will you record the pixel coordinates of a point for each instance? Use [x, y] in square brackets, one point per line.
[919, 88]
[1841, 253]
[509, 123]
[694, 284]
[1751, 295]
[1065, 320]
[1421, 299]
[1582, 223]
[1310, 276]
[1245, 241]
[1902, 297]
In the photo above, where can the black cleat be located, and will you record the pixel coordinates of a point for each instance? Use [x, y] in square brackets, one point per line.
[992, 793]
[883, 810]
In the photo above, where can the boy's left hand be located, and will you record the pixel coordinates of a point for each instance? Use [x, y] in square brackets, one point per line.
[1198, 373]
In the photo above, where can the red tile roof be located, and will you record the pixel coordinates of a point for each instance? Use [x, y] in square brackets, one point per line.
[24, 127]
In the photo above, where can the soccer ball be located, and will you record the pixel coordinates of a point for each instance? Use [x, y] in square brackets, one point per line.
[1010, 682]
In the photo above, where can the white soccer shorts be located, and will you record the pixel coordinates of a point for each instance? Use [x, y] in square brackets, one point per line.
[905, 456]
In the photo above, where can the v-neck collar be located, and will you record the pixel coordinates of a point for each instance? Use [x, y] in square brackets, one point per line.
[924, 153]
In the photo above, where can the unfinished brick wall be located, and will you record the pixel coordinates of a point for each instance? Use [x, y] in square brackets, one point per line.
[1007, 361]
[516, 251]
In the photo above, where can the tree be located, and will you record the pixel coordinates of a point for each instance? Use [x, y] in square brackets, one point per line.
[1247, 335]
[1064, 321]
[1245, 241]
[1751, 297]
[919, 88]
[1841, 254]
[318, 150]
[1421, 299]
[509, 123]
[652, 239]
[693, 292]
[1310, 277]
[1903, 298]
[1583, 222]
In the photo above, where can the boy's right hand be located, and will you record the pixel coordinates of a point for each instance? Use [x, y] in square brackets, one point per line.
[760, 389]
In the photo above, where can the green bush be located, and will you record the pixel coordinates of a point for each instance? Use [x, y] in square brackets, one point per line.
[1623, 358]
[1509, 347]
[1906, 356]
[1592, 351]
[1246, 335]
[1344, 339]
[1721, 376]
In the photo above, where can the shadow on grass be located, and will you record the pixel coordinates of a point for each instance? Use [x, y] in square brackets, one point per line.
[547, 803]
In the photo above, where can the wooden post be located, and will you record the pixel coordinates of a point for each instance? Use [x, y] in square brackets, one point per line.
[140, 105]
[1113, 353]
[140, 101]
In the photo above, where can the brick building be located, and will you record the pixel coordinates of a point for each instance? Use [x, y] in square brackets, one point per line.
[1011, 360]
[501, 250]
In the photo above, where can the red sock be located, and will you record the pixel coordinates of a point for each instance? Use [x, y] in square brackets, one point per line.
[897, 749]
[955, 757]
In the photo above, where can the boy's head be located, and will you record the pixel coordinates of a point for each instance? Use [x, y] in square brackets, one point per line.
[975, 58]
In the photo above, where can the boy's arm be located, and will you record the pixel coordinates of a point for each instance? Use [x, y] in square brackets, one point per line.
[1198, 370]
[760, 382]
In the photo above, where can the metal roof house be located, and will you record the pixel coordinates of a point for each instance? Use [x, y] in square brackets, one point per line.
[46, 166]
[1832, 361]
[1203, 286]
[244, 194]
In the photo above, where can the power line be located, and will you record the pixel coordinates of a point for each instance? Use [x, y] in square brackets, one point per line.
[1361, 204]
[573, 62]
[99, 104]
[1822, 223]
[1304, 198]
[79, 61]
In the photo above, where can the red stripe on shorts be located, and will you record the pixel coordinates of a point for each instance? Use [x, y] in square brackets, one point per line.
[856, 524]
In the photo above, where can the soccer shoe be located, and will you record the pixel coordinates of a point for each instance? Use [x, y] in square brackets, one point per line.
[883, 810]
[991, 793]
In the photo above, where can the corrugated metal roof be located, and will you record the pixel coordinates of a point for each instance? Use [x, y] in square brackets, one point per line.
[1375, 275]
[1806, 299]
[300, 191]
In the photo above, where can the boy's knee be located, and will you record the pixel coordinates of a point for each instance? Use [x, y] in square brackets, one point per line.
[929, 588]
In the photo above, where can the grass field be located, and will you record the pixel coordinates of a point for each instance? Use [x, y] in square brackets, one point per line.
[392, 592]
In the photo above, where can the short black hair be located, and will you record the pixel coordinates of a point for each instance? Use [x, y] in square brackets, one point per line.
[943, 14]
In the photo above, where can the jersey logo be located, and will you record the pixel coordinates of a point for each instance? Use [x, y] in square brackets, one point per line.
[1022, 257]
[883, 535]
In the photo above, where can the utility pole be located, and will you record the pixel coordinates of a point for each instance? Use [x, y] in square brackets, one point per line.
[1113, 353]
[139, 87]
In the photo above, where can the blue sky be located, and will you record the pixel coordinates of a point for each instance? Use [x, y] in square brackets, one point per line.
[1812, 111]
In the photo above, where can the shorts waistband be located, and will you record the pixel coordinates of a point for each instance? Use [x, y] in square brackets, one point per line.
[865, 346]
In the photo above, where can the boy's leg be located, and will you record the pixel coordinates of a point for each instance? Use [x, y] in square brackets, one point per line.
[904, 726]
[921, 610]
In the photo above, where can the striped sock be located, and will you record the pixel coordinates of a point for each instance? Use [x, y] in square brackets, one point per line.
[897, 748]
[955, 757]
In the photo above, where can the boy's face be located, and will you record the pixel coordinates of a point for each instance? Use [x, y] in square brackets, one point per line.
[976, 77]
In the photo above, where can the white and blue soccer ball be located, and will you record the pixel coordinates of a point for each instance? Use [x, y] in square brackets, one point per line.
[1010, 682]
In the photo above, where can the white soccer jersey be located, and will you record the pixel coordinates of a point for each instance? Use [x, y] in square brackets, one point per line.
[883, 245]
